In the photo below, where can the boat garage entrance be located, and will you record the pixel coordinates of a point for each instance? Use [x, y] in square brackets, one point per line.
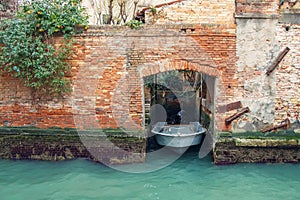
[179, 97]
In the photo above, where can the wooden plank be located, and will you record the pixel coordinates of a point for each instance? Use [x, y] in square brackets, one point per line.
[236, 115]
[277, 61]
[229, 107]
[285, 124]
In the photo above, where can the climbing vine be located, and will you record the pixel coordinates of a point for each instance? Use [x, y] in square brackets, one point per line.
[134, 24]
[29, 46]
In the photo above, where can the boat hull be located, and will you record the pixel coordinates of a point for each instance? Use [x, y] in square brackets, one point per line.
[178, 135]
[177, 141]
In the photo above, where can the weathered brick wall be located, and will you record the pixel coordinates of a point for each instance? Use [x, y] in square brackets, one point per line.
[7, 8]
[108, 71]
[260, 39]
[287, 98]
[195, 12]
[111, 62]
[18, 108]
[268, 7]
[127, 56]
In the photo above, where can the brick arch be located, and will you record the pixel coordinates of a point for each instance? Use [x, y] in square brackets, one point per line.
[219, 86]
[208, 69]
[151, 69]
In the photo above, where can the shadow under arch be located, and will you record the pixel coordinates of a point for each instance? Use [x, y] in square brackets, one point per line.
[211, 76]
[210, 71]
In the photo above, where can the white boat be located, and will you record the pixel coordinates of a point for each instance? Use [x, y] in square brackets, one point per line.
[178, 135]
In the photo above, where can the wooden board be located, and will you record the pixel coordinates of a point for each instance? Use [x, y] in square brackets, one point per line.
[229, 107]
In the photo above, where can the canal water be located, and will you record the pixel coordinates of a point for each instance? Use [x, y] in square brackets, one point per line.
[187, 178]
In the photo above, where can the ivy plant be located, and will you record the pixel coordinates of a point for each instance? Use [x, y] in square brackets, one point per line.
[29, 46]
[134, 24]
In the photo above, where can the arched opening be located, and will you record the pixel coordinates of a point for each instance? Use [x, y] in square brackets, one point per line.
[178, 97]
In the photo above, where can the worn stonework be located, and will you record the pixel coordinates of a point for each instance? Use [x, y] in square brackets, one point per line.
[195, 12]
[261, 37]
[7, 8]
[256, 49]
[232, 151]
[265, 7]
[54, 147]
[287, 98]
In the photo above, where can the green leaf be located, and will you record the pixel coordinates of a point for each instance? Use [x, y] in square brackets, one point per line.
[27, 50]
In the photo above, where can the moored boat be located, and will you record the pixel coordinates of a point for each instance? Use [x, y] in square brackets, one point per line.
[179, 136]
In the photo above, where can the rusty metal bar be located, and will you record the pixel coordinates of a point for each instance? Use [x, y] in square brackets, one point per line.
[236, 115]
[277, 61]
[284, 124]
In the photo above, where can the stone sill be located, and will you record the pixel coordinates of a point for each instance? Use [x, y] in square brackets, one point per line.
[266, 142]
[158, 30]
[255, 16]
[290, 11]
[289, 18]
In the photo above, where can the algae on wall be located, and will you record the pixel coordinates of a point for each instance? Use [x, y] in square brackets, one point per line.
[58, 144]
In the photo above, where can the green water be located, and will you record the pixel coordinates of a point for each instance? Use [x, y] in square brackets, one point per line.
[188, 178]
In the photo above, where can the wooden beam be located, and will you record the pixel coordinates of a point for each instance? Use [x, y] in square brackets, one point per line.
[229, 107]
[284, 124]
[205, 109]
[277, 61]
[236, 115]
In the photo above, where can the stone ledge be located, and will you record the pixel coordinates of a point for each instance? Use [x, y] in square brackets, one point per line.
[159, 30]
[255, 16]
[55, 147]
[238, 150]
[266, 142]
[289, 18]
[70, 131]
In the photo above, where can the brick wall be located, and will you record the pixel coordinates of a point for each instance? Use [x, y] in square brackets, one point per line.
[287, 100]
[195, 12]
[126, 60]
[7, 8]
[108, 70]
[268, 7]
[111, 62]
[260, 39]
